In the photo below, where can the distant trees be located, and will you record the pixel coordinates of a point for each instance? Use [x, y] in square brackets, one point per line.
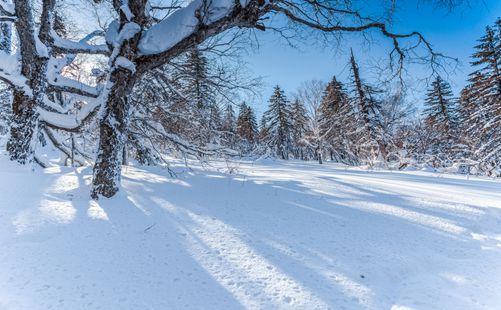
[324, 122]
[481, 102]
[369, 138]
[299, 130]
[363, 124]
[246, 127]
[310, 95]
[147, 87]
[228, 127]
[440, 116]
[338, 122]
[141, 42]
[277, 123]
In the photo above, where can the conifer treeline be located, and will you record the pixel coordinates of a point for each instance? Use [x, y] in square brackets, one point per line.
[359, 124]
[187, 108]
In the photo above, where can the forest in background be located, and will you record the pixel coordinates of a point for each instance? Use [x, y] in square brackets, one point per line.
[187, 104]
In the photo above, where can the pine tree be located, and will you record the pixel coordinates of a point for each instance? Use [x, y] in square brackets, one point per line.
[263, 131]
[228, 127]
[202, 111]
[338, 123]
[488, 57]
[481, 102]
[440, 105]
[277, 119]
[441, 117]
[369, 141]
[299, 127]
[247, 125]
[196, 77]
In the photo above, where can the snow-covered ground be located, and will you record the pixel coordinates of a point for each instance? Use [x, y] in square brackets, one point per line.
[273, 235]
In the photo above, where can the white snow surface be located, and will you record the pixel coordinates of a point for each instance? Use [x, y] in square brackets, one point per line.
[273, 235]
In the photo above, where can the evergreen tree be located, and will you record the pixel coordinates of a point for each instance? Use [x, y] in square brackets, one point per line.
[196, 76]
[488, 58]
[338, 123]
[228, 126]
[203, 114]
[277, 120]
[481, 102]
[299, 126]
[247, 125]
[369, 138]
[440, 115]
[440, 105]
[263, 131]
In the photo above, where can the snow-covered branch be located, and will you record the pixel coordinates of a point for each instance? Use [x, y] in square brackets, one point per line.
[7, 8]
[64, 84]
[192, 25]
[7, 19]
[10, 72]
[62, 45]
[69, 122]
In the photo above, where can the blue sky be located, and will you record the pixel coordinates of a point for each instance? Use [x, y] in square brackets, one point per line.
[453, 33]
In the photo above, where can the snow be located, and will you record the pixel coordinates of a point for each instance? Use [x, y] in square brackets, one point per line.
[59, 80]
[170, 31]
[275, 235]
[42, 50]
[126, 10]
[55, 77]
[112, 33]
[82, 44]
[128, 31]
[11, 72]
[8, 7]
[182, 23]
[8, 63]
[125, 63]
[68, 120]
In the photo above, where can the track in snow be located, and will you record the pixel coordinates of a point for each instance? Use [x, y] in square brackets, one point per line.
[286, 235]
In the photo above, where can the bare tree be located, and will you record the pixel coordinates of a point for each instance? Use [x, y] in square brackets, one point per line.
[310, 93]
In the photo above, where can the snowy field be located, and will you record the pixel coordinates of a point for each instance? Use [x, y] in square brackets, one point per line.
[272, 235]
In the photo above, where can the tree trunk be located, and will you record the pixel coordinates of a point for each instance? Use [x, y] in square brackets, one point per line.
[113, 134]
[114, 123]
[319, 154]
[22, 129]
[24, 125]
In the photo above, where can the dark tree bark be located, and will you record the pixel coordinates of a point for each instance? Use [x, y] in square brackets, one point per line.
[114, 123]
[113, 133]
[34, 68]
[24, 122]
